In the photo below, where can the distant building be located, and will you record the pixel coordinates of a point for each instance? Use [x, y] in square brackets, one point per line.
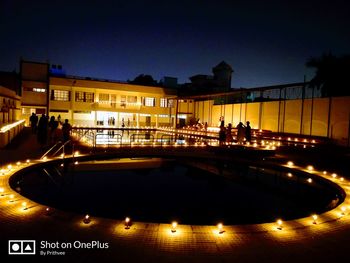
[219, 82]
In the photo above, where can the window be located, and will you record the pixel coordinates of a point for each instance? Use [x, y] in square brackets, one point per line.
[81, 96]
[89, 97]
[60, 95]
[163, 102]
[123, 100]
[34, 89]
[103, 98]
[170, 103]
[132, 99]
[149, 102]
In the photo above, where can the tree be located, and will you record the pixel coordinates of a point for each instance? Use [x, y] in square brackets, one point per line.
[332, 74]
[146, 80]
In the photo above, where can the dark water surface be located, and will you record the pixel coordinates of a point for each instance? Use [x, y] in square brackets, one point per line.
[171, 192]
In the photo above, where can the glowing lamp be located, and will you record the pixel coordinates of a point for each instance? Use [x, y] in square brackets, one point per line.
[62, 155]
[18, 163]
[11, 198]
[127, 222]
[313, 141]
[343, 210]
[173, 226]
[289, 174]
[76, 162]
[221, 228]
[342, 179]
[290, 163]
[48, 211]
[334, 175]
[24, 205]
[28, 161]
[87, 219]
[45, 158]
[314, 217]
[279, 224]
[310, 168]
[76, 153]
[2, 191]
[324, 172]
[309, 180]
[9, 167]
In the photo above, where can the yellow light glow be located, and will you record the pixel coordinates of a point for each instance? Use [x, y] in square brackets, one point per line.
[314, 217]
[220, 228]
[76, 153]
[62, 155]
[11, 196]
[18, 163]
[290, 163]
[310, 168]
[324, 172]
[343, 210]
[279, 223]
[334, 175]
[28, 161]
[290, 174]
[76, 162]
[127, 220]
[173, 226]
[289, 138]
[9, 167]
[309, 180]
[342, 179]
[86, 219]
[45, 158]
[2, 190]
[313, 141]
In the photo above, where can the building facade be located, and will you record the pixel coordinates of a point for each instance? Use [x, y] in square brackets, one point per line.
[86, 101]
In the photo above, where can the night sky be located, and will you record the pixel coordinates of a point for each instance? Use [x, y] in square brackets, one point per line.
[266, 42]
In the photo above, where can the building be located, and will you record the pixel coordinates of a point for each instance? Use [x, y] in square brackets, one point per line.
[91, 101]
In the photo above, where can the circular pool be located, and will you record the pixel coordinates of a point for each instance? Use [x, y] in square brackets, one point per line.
[197, 192]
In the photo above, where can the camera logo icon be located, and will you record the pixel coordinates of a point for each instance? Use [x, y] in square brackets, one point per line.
[21, 247]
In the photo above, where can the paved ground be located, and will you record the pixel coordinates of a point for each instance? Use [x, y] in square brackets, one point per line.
[298, 241]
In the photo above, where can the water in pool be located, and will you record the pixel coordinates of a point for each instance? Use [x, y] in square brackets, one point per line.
[160, 191]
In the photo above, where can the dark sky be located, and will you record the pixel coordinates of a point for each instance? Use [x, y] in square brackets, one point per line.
[266, 42]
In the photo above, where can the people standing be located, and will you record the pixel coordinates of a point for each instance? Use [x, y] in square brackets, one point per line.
[229, 133]
[66, 128]
[42, 130]
[248, 134]
[33, 122]
[240, 133]
[222, 134]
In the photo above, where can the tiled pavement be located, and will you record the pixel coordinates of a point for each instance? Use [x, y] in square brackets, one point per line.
[299, 240]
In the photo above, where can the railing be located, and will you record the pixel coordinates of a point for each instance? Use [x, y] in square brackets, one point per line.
[51, 149]
[141, 137]
[108, 139]
[171, 139]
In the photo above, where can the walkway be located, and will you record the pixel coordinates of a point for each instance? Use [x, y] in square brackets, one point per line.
[298, 241]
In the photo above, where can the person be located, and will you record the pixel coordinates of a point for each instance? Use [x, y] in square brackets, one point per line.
[123, 123]
[66, 128]
[248, 135]
[128, 122]
[33, 122]
[206, 126]
[240, 133]
[42, 130]
[59, 119]
[229, 133]
[222, 135]
[53, 124]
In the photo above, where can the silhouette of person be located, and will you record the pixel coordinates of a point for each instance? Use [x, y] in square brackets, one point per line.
[248, 134]
[240, 133]
[66, 128]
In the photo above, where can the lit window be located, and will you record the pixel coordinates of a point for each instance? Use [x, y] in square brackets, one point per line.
[170, 103]
[39, 90]
[163, 102]
[132, 99]
[60, 95]
[103, 98]
[81, 96]
[149, 102]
